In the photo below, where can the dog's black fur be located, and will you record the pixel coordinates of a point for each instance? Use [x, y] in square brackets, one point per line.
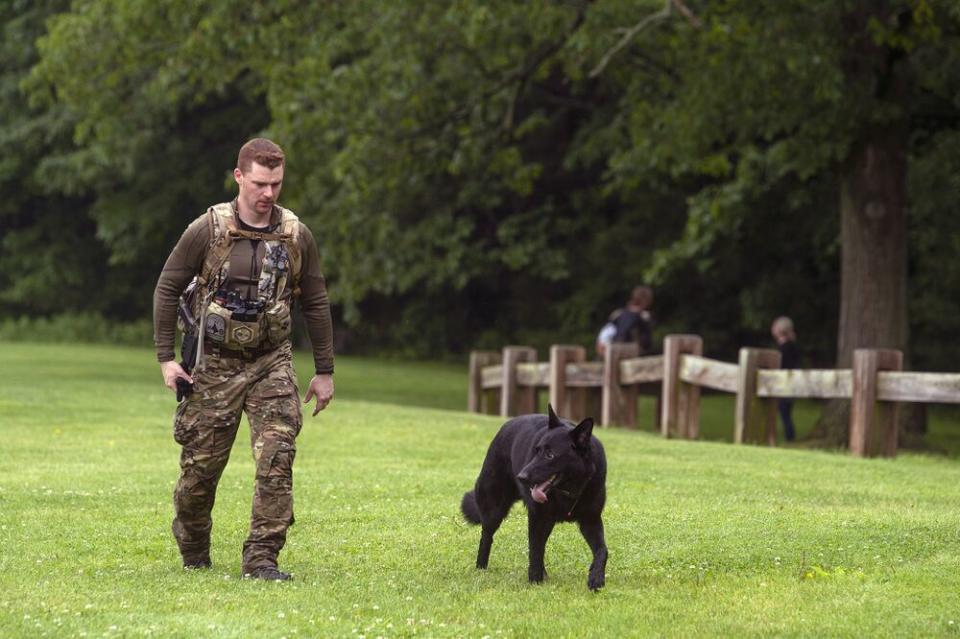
[525, 454]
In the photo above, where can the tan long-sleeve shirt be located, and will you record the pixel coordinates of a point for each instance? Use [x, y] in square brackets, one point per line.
[246, 260]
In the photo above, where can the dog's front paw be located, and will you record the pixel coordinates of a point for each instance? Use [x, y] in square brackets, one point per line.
[595, 581]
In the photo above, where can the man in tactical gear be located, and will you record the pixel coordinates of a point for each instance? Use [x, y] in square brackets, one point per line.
[248, 260]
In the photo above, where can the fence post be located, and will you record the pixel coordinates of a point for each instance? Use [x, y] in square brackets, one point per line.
[478, 399]
[755, 420]
[513, 399]
[680, 416]
[873, 424]
[618, 404]
[567, 402]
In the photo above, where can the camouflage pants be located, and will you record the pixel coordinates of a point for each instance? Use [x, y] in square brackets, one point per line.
[206, 425]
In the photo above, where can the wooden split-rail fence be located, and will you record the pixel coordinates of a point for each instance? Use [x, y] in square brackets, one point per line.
[507, 383]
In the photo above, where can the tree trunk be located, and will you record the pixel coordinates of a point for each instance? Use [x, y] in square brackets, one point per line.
[873, 210]
[873, 290]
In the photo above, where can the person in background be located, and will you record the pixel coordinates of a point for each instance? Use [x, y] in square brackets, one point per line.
[607, 333]
[786, 338]
[635, 322]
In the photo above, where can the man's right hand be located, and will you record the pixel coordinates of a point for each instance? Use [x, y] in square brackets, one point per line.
[171, 371]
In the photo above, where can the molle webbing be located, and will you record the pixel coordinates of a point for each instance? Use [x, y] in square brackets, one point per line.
[224, 231]
[259, 235]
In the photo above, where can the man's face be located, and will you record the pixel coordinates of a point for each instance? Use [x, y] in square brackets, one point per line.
[259, 187]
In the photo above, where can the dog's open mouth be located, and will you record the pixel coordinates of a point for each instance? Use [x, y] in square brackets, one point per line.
[539, 492]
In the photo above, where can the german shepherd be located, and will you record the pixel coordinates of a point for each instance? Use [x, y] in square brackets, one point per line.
[559, 471]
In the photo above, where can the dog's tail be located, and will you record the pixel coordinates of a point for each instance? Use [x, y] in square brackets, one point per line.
[471, 511]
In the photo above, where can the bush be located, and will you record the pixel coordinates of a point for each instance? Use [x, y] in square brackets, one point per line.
[82, 327]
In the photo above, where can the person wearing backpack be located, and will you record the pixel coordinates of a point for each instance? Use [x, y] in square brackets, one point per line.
[242, 264]
[607, 332]
[634, 322]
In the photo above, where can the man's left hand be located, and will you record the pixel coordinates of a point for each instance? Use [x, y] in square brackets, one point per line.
[321, 387]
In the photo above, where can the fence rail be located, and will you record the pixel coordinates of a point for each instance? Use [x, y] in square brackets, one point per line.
[508, 383]
[811, 383]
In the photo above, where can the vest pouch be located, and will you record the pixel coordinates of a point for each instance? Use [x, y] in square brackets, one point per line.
[216, 324]
[243, 335]
[225, 331]
[278, 323]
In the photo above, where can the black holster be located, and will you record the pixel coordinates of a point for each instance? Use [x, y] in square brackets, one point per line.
[188, 353]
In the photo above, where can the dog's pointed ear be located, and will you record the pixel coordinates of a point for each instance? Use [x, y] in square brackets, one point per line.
[582, 433]
[552, 420]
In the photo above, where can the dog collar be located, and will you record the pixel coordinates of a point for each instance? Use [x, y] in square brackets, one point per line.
[574, 495]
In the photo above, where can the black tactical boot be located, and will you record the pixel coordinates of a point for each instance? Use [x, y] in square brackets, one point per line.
[268, 573]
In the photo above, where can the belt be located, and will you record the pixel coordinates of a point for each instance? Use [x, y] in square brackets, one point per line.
[247, 355]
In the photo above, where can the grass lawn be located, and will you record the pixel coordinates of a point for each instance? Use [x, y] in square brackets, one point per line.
[706, 539]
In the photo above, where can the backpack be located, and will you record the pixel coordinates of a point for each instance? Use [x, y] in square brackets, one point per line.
[634, 326]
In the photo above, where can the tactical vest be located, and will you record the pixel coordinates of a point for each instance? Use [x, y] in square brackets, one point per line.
[268, 323]
[224, 231]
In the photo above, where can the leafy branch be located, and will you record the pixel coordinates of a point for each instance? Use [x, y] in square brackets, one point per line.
[633, 31]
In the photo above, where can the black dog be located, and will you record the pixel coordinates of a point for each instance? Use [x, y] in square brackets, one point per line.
[559, 471]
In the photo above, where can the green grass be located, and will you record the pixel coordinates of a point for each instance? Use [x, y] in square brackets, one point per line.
[706, 539]
[426, 384]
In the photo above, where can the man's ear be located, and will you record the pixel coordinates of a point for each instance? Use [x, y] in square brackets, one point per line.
[552, 420]
[582, 433]
[238, 175]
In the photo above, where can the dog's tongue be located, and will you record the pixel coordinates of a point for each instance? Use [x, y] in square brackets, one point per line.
[538, 493]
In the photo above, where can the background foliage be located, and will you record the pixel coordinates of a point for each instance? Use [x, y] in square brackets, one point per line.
[480, 173]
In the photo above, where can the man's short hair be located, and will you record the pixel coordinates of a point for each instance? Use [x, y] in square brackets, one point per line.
[259, 150]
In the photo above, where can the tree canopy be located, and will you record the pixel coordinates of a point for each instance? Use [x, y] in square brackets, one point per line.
[478, 173]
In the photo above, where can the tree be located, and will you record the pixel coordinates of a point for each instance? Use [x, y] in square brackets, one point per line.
[432, 147]
[42, 267]
[759, 95]
[481, 173]
[153, 146]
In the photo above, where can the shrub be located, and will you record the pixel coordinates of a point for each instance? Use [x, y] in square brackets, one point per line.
[82, 327]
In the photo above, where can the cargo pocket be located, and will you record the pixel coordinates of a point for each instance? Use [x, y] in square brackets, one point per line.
[279, 402]
[185, 422]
